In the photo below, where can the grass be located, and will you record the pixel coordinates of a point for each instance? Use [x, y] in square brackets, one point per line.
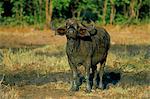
[24, 58]
[43, 71]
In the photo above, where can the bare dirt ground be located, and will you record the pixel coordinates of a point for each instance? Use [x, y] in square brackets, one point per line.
[19, 37]
[56, 85]
[16, 37]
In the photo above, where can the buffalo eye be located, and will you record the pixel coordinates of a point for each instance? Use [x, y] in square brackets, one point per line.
[61, 31]
[82, 31]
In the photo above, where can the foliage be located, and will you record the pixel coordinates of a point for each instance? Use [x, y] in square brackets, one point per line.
[32, 12]
[1, 11]
[60, 5]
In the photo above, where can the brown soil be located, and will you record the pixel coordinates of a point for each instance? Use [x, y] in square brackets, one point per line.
[29, 37]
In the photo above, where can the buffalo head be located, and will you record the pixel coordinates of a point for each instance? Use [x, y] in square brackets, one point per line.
[73, 29]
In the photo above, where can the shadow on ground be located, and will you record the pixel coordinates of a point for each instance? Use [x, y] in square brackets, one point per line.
[109, 78]
[131, 50]
[23, 78]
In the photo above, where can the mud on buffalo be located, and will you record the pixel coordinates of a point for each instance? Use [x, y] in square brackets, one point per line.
[87, 45]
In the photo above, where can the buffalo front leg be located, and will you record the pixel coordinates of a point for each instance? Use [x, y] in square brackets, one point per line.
[87, 76]
[74, 82]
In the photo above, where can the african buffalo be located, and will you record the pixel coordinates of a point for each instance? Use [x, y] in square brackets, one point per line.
[87, 46]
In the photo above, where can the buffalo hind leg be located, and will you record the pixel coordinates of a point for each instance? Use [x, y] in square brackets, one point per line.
[94, 76]
[101, 72]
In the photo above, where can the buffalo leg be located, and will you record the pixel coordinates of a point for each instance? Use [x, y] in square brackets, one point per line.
[94, 74]
[87, 76]
[74, 82]
[101, 72]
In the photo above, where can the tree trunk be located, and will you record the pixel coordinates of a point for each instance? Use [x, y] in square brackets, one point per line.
[78, 14]
[40, 10]
[138, 8]
[125, 10]
[21, 12]
[113, 11]
[50, 12]
[35, 17]
[47, 13]
[104, 12]
[132, 11]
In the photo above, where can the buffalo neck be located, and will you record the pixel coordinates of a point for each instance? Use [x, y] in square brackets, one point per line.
[73, 45]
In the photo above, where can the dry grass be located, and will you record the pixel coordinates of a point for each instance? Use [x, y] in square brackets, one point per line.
[35, 65]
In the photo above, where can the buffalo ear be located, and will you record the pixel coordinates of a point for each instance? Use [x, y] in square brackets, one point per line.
[83, 32]
[93, 32]
[60, 31]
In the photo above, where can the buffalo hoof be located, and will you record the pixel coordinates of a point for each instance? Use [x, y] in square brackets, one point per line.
[74, 89]
[88, 91]
[101, 86]
[95, 87]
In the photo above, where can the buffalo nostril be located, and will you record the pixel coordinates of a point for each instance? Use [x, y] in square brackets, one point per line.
[71, 31]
